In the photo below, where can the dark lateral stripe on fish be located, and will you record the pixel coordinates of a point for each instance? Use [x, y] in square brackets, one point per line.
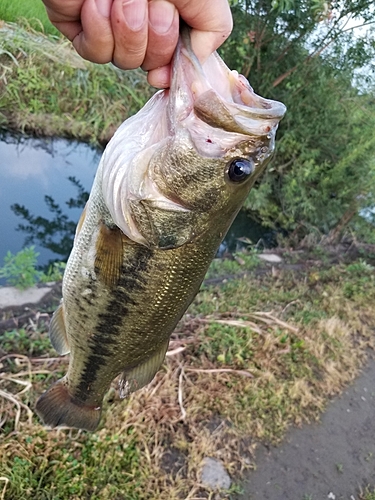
[109, 327]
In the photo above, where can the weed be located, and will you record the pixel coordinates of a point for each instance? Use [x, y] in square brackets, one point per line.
[221, 268]
[20, 269]
[48, 89]
[367, 494]
[260, 352]
[25, 342]
[29, 13]
[107, 466]
[359, 267]
[54, 272]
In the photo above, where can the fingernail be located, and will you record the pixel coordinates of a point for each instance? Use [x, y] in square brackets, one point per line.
[104, 7]
[161, 15]
[134, 14]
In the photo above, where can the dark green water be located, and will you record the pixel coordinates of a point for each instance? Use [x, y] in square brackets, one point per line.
[44, 184]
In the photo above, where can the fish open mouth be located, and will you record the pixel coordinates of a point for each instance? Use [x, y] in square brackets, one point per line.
[221, 98]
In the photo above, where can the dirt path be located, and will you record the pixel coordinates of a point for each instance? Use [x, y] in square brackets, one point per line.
[331, 459]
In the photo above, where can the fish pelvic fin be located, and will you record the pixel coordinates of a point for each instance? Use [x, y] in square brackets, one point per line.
[57, 331]
[141, 375]
[57, 407]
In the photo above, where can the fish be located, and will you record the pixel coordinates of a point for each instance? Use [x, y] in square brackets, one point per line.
[168, 186]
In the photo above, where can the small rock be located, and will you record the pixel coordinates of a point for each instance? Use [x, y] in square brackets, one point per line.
[12, 297]
[270, 257]
[214, 475]
[332, 496]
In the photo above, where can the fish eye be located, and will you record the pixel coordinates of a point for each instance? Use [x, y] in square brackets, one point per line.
[240, 169]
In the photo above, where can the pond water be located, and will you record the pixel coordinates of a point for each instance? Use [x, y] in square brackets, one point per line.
[44, 184]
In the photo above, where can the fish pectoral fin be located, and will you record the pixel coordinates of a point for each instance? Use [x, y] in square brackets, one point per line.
[57, 331]
[141, 375]
[109, 254]
[81, 221]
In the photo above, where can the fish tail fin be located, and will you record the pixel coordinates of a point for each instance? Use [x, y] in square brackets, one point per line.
[57, 407]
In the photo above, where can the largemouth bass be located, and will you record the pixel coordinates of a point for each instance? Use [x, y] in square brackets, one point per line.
[168, 187]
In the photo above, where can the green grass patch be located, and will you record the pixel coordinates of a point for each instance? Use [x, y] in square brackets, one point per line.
[47, 89]
[367, 494]
[28, 13]
[20, 269]
[57, 465]
[22, 341]
[220, 268]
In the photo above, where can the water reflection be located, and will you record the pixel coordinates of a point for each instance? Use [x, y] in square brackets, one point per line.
[55, 233]
[44, 185]
[46, 182]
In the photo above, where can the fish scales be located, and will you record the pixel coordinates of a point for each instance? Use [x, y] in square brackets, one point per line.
[167, 189]
[149, 311]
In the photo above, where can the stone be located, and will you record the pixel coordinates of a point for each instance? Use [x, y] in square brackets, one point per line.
[270, 257]
[214, 475]
[12, 297]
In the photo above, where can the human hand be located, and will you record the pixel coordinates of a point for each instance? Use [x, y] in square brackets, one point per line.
[133, 33]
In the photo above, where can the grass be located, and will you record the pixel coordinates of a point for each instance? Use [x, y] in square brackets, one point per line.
[257, 351]
[47, 89]
[367, 494]
[20, 269]
[30, 12]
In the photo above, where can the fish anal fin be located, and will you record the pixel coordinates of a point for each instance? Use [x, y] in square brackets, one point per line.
[57, 407]
[57, 331]
[109, 254]
[141, 375]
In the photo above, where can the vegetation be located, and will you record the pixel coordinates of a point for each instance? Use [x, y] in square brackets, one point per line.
[47, 89]
[20, 270]
[31, 13]
[304, 54]
[254, 353]
[367, 494]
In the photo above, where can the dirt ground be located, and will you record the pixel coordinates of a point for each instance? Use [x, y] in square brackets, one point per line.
[332, 459]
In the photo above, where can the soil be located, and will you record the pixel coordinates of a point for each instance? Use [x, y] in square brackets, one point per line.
[332, 459]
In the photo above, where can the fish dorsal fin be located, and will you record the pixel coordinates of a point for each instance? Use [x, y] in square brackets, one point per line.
[141, 375]
[57, 331]
[109, 254]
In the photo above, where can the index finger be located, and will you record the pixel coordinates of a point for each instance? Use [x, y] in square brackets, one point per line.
[211, 23]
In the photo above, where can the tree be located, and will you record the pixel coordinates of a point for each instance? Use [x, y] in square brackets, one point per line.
[304, 54]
